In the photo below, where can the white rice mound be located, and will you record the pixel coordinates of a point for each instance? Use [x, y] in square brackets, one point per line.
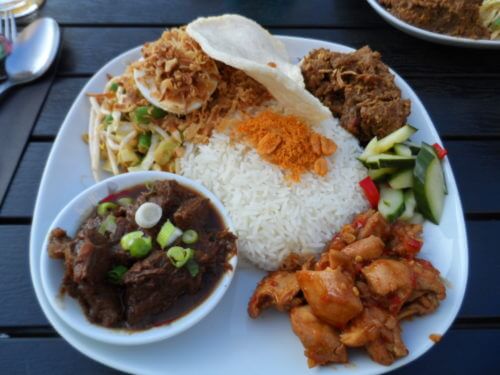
[273, 216]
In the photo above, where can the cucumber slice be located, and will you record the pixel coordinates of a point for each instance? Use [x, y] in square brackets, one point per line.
[391, 204]
[413, 147]
[389, 161]
[428, 184]
[369, 150]
[379, 174]
[417, 218]
[410, 204]
[398, 136]
[402, 150]
[402, 179]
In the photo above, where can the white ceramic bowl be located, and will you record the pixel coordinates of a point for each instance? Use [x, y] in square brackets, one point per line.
[70, 219]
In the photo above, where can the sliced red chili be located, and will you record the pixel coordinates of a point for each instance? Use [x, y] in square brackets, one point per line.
[440, 151]
[414, 244]
[115, 196]
[371, 191]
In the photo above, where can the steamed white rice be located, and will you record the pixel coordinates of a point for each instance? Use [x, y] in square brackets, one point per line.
[273, 216]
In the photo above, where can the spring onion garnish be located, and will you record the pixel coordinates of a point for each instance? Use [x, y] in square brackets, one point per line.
[141, 115]
[179, 256]
[190, 236]
[108, 225]
[115, 275]
[108, 119]
[168, 234]
[105, 208]
[158, 113]
[144, 142]
[192, 267]
[125, 201]
[113, 87]
[148, 215]
[136, 243]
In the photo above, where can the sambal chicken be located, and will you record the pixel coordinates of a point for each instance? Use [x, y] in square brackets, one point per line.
[366, 281]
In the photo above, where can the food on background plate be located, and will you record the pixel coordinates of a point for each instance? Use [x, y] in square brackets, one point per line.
[366, 281]
[475, 19]
[145, 256]
[359, 89]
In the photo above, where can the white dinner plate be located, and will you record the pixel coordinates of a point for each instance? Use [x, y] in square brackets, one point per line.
[227, 341]
[429, 35]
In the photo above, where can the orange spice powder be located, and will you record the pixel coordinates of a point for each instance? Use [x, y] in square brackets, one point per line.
[287, 142]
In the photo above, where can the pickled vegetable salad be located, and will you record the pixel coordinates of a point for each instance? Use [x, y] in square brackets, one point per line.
[124, 133]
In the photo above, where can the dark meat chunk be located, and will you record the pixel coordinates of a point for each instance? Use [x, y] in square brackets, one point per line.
[321, 342]
[59, 243]
[192, 213]
[452, 17]
[279, 289]
[153, 285]
[359, 89]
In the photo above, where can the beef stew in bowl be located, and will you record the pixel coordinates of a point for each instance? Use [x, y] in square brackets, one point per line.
[147, 258]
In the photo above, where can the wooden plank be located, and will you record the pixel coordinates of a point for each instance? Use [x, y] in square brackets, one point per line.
[16, 289]
[54, 356]
[20, 199]
[475, 164]
[407, 55]
[343, 13]
[46, 356]
[17, 297]
[475, 114]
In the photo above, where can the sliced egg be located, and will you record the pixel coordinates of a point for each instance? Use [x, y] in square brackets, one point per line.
[177, 107]
[148, 215]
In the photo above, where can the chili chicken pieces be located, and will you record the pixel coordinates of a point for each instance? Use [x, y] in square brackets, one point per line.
[356, 293]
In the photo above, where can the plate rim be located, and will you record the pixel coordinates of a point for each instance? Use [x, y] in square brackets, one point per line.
[431, 36]
[61, 327]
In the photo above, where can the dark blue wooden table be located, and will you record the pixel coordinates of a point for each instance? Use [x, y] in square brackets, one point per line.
[460, 88]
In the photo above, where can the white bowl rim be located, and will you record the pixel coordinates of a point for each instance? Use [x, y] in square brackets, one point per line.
[153, 334]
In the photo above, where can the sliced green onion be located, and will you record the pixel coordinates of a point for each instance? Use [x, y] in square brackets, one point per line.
[141, 247]
[113, 87]
[115, 275]
[190, 236]
[158, 113]
[108, 119]
[127, 239]
[149, 185]
[105, 208]
[141, 115]
[108, 225]
[179, 256]
[144, 142]
[193, 267]
[125, 201]
[168, 234]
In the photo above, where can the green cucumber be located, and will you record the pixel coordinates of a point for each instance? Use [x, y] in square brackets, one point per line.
[389, 161]
[428, 184]
[413, 147]
[369, 150]
[410, 204]
[402, 179]
[391, 204]
[379, 174]
[398, 136]
[402, 149]
[417, 218]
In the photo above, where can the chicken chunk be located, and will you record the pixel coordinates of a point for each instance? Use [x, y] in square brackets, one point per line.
[279, 289]
[321, 341]
[386, 276]
[367, 248]
[379, 332]
[331, 295]
[374, 225]
[405, 239]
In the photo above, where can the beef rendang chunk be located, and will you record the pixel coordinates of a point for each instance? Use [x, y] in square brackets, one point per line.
[127, 275]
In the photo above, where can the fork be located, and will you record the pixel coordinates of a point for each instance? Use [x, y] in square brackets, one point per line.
[8, 27]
